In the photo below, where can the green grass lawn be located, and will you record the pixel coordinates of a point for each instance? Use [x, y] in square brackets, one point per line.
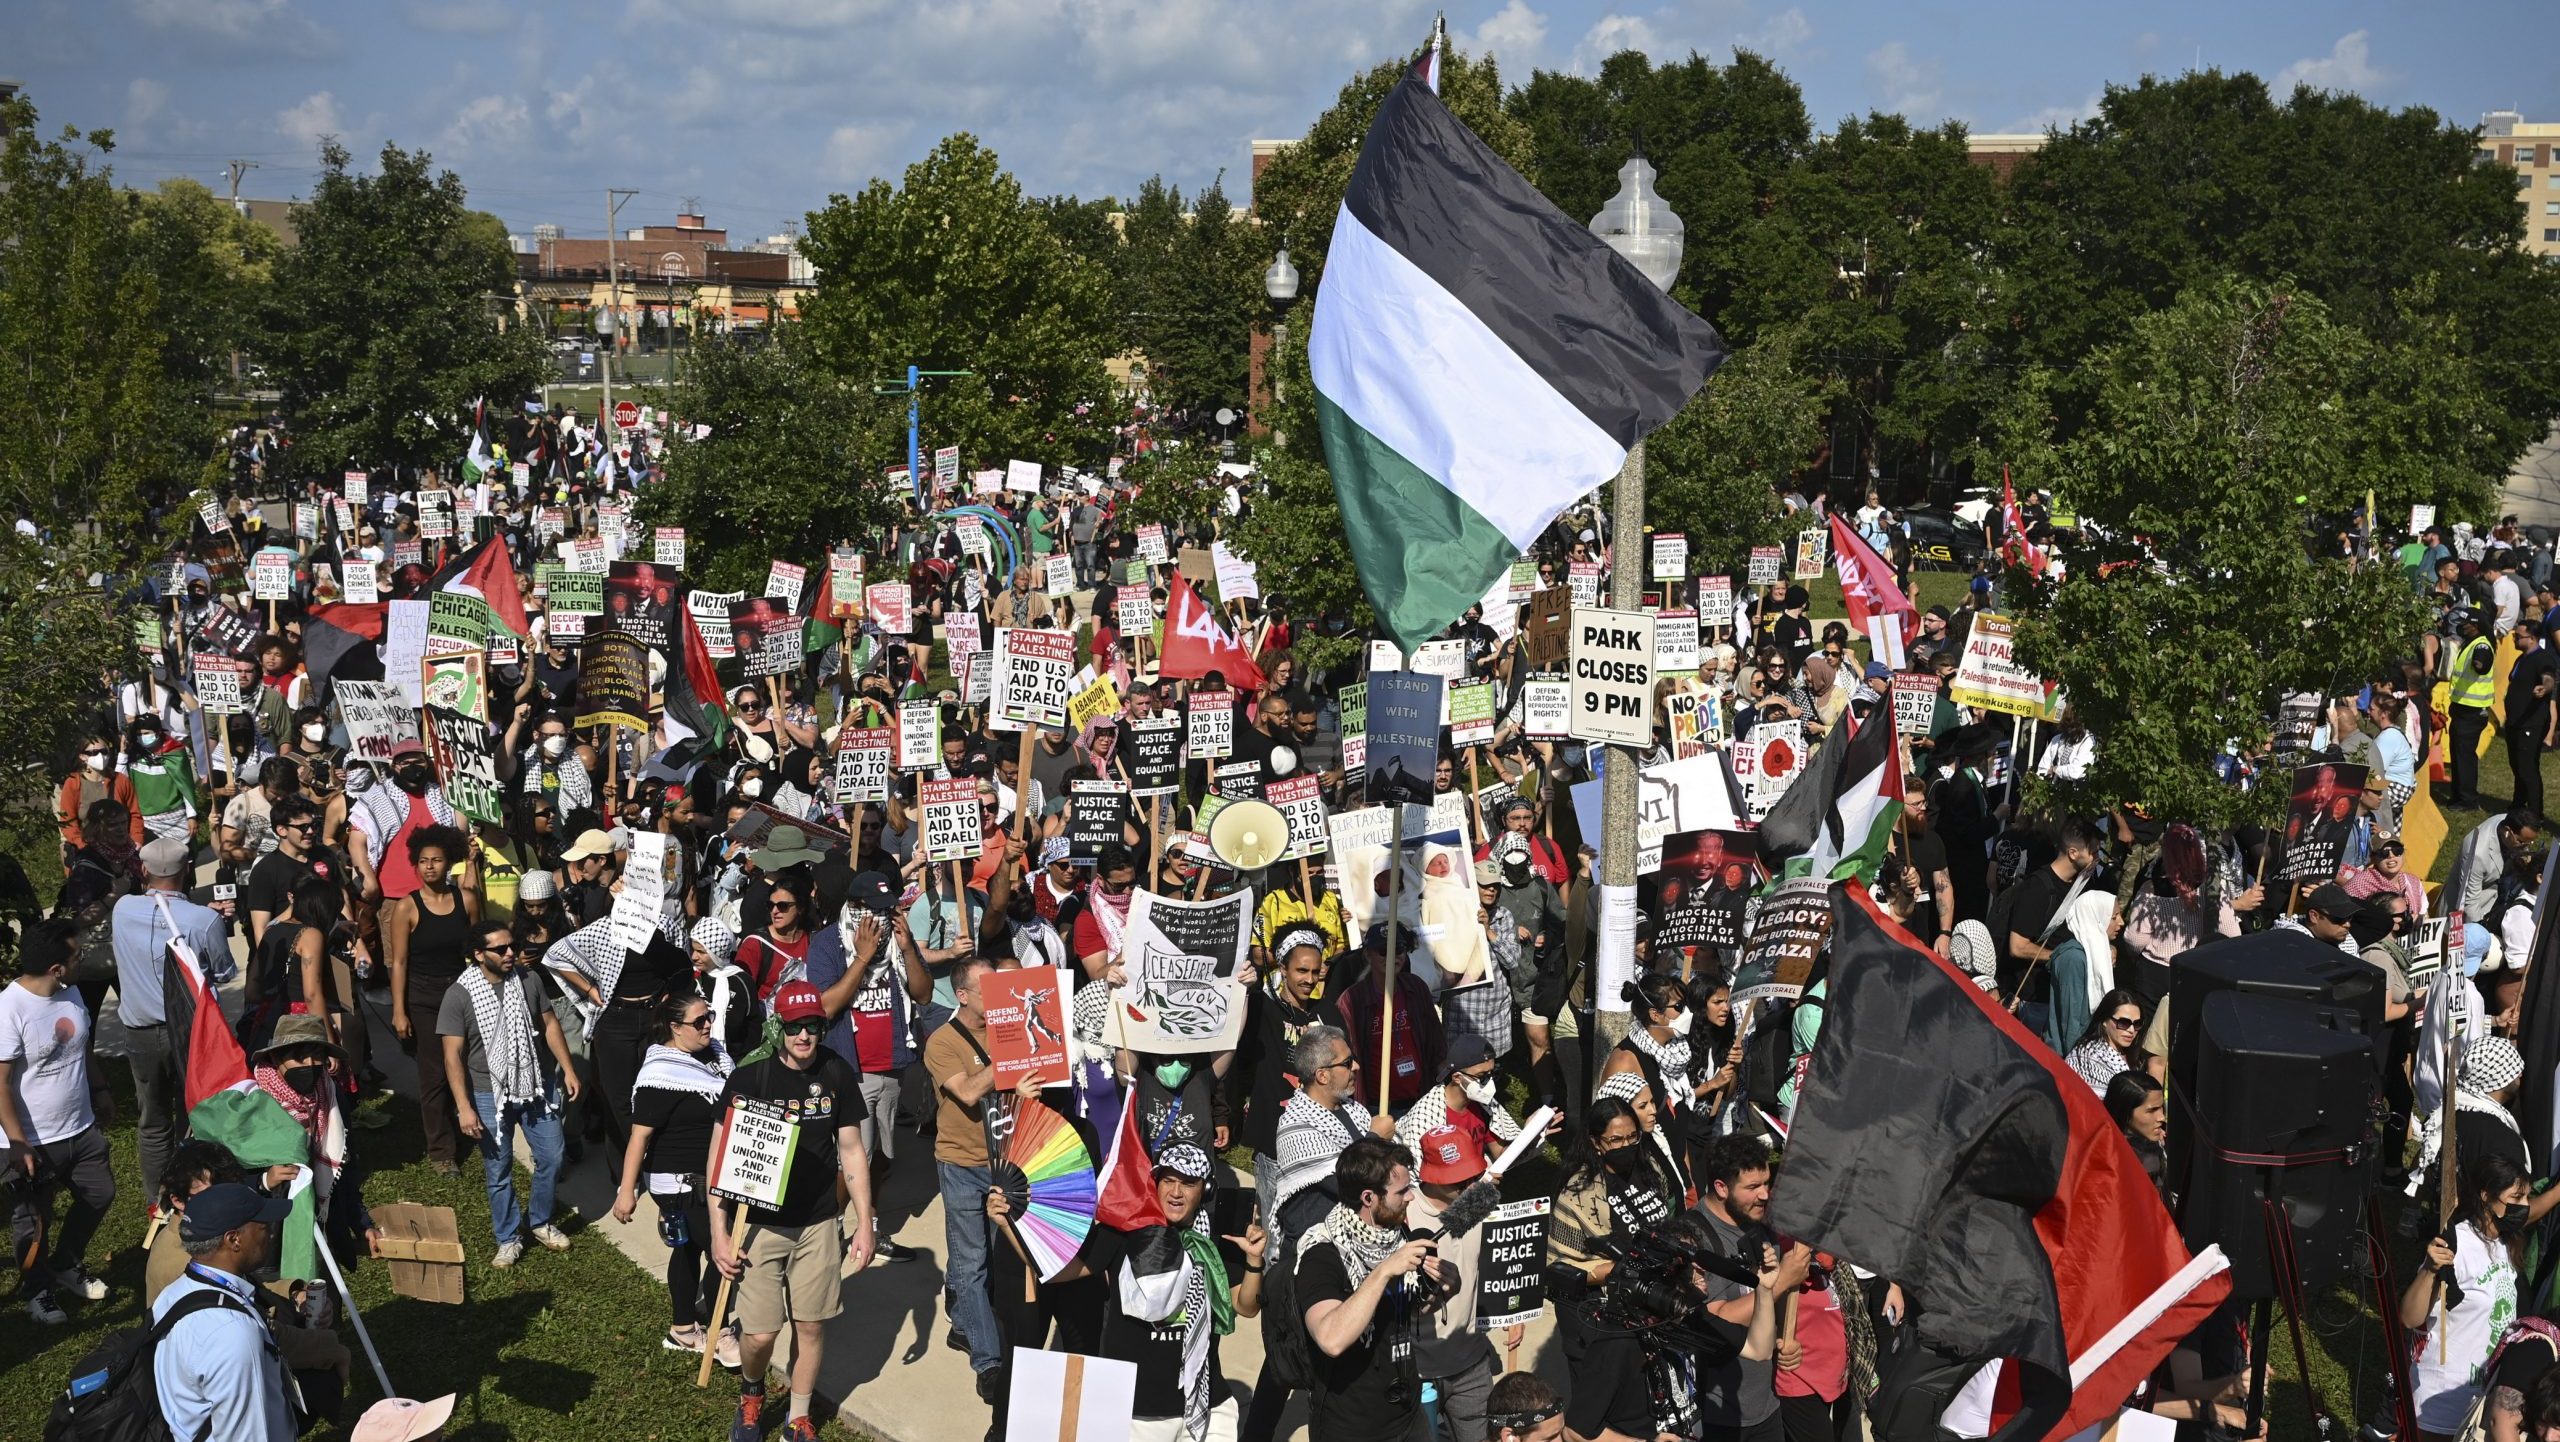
[561, 1345]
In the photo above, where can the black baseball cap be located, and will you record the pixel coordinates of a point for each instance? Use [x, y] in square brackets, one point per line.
[227, 1207]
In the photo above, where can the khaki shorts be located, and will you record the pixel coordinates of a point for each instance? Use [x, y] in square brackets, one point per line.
[793, 1274]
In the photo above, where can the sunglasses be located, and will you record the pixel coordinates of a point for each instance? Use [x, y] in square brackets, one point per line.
[699, 1023]
[306, 824]
[2127, 1022]
[781, 905]
[810, 1026]
[507, 950]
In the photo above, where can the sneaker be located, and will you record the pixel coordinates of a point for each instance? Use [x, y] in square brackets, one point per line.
[893, 1252]
[991, 1385]
[551, 1237]
[446, 1167]
[726, 1353]
[748, 1426]
[508, 1255]
[78, 1283]
[677, 1341]
[800, 1429]
[42, 1308]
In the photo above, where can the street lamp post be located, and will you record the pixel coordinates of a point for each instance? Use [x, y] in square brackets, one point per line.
[1639, 226]
[604, 356]
[1280, 284]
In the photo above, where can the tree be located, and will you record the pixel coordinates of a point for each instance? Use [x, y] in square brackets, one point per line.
[393, 315]
[60, 638]
[2229, 440]
[1190, 285]
[1715, 470]
[215, 267]
[791, 464]
[1179, 487]
[955, 270]
[102, 414]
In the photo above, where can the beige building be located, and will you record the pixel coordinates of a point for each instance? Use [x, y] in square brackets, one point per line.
[2533, 149]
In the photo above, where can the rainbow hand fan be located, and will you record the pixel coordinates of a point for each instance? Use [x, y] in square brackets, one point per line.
[1047, 1176]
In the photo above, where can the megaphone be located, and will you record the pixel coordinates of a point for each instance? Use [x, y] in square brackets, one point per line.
[1249, 835]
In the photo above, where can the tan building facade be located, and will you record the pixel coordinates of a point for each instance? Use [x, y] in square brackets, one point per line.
[2532, 147]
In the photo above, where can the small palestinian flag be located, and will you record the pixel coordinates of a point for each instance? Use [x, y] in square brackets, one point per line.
[488, 574]
[1481, 361]
[696, 706]
[1837, 819]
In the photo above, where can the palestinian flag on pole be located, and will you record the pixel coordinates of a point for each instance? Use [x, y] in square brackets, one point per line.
[487, 573]
[1481, 361]
[1936, 1141]
[695, 704]
[1837, 818]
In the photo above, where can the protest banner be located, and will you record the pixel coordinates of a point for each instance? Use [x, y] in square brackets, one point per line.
[1237, 578]
[1352, 711]
[466, 766]
[1213, 725]
[890, 607]
[1035, 675]
[576, 593]
[1613, 677]
[1154, 755]
[1707, 881]
[1186, 978]
[862, 761]
[954, 827]
[1403, 735]
[1915, 702]
[217, 684]
[456, 623]
[1680, 714]
[1813, 552]
[843, 598]
[666, 546]
[752, 1163]
[1511, 1272]
[640, 601]
[613, 682]
[1058, 575]
[271, 576]
[2297, 717]
[1097, 812]
[1470, 712]
[1022, 477]
[2319, 820]
[1546, 709]
[1670, 556]
[1787, 933]
[435, 515]
[359, 584]
[1546, 635]
[306, 521]
[711, 621]
[767, 637]
[919, 735]
[1988, 675]
[1026, 1023]
[357, 486]
[1582, 579]
[1520, 582]
[404, 645]
[782, 582]
[1764, 566]
[1301, 803]
[1675, 642]
[1151, 546]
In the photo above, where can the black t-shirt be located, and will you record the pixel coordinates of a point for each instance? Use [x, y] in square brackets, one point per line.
[2038, 898]
[2524, 1363]
[1927, 855]
[1357, 1395]
[2532, 714]
[1609, 1388]
[680, 1124]
[269, 887]
[1156, 1347]
[823, 1099]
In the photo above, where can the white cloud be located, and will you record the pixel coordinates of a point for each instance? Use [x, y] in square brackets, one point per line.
[1610, 34]
[2060, 117]
[2348, 66]
[145, 100]
[266, 27]
[315, 119]
[1777, 35]
[1514, 34]
[499, 119]
[1903, 84]
[856, 153]
[461, 17]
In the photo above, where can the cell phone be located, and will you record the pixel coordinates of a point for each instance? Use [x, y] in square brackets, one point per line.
[1230, 1212]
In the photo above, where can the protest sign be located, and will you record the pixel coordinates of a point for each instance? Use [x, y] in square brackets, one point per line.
[456, 623]
[1778, 757]
[1058, 575]
[1353, 713]
[576, 593]
[1613, 677]
[640, 601]
[1675, 642]
[1155, 755]
[1035, 675]
[1787, 933]
[458, 683]
[919, 735]
[551, 523]
[1471, 712]
[1135, 610]
[783, 582]
[217, 684]
[1097, 812]
[767, 637]
[1403, 736]
[1237, 578]
[1026, 1023]
[972, 531]
[1096, 701]
[954, 827]
[1213, 725]
[2426, 947]
[2319, 820]
[862, 764]
[843, 598]
[435, 515]
[1194, 565]
[589, 555]
[1546, 709]
[1184, 963]
[1546, 635]
[358, 487]
[1988, 676]
[343, 516]
[1151, 546]
[411, 552]
[753, 1161]
[1022, 477]
[1915, 702]
[404, 645]
[1813, 552]
[1582, 579]
[1511, 1272]
[1680, 714]
[306, 521]
[1707, 881]
[946, 465]
[210, 512]
[2297, 717]
[466, 767]
[2421, 517]
[1670, 556]
[711, 621]
[986, 483]
[1301, 803]
[613, 682]
[666, 546]
[271, 576]
[1236, 780]
[1764, 566]
[890, 608]
[359, 584]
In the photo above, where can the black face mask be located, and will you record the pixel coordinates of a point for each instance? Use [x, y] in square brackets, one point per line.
[415, 781]
[2511, 1223]
[305, 1080]
[1623, 1161]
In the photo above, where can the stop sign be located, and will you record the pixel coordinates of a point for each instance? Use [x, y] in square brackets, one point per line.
[626, 414]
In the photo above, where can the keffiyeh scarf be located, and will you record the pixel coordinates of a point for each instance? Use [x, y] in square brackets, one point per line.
[1671, 1057]
[506, 1028]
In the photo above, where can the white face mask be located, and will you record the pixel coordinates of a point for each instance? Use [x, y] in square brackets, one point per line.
[1479, 1090]
[753, 786]
[554, 745]
[1680, 1024]
[94, 763]
[316, 731]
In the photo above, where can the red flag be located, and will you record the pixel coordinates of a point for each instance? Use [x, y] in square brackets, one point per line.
[2014, 544]
[1195, 644]
[213, 1061]
[1128, 1185]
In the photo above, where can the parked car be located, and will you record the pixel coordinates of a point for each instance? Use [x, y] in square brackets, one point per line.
[1942, 542]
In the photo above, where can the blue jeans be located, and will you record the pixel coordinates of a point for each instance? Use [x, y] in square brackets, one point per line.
[498, 1126]
[964, 1234]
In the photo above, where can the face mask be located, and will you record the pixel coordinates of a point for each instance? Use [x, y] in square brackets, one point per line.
[94, 763]
[1479, 1090]
[1173, 1073]
[1622, 1161]
[359, 780]
[1680, 1024]
[414, 781]
[554, 745]
[305, 1080]
[753, 786]
[148, 740]
[316, 731]
[2511, 1223]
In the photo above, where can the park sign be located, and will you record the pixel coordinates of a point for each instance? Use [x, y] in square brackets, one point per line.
[1612, 675]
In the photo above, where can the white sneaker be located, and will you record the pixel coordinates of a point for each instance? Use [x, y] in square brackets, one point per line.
[80, 1284]
[508, 1255]
[552, 1238]
[726, 1353]
[42, 1308]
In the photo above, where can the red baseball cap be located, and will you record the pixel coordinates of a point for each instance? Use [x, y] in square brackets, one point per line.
[798, 1001]
[1450, 1157]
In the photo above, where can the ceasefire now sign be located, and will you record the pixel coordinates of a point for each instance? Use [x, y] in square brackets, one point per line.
[1612, 672]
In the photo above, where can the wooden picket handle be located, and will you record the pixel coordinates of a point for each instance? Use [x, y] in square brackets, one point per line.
[720, 1301]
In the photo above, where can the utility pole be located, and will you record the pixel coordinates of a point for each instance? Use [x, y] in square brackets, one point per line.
[239, 168]
[612, 303]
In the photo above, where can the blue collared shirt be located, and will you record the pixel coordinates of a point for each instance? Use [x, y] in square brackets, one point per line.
[140, 939]
[217, 1371]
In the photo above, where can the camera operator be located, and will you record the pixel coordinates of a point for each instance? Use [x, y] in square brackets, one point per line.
[1653, 1336]
[1362, 1284]
[1737, 1395]
[1451, 1352]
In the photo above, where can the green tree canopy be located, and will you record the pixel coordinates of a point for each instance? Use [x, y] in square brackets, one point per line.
[391, 315]
[1191, 287]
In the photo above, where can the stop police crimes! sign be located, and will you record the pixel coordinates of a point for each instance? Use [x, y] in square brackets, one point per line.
[1612, 675]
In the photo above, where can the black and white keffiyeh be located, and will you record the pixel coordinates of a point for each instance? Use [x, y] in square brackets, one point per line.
[506, 1026]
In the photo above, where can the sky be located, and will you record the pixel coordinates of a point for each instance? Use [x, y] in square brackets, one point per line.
[760, 109]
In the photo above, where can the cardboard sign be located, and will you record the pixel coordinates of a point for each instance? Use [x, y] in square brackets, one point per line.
[1026, 1023]
[1155, 755]
[271, 576]
[1470, 712]
[1613, 677]
[863, 754]
[1213, 724]
[1151, 548]
[1097, 812]
[1022, 477]
[890, 607]
[1511, 1273]
[1786, 935]
[919, 735]
[1813, 552]
[753, 1161]
[1186, 974]
[613, 682]
[1301, 803]
[1670, 557]
[435, 515]
[954, 826]
[1764, 566]
[783, 583]
[1546, 709]
[1096, 701]
[1582, 579]
[711, 620]
[1988, 675]
[1546, 637]
[666, 546]
[360, 584]
[1058, 575]
[1403, 736]
[1035, 675]
[1915, 702]
[466, 764]
[217, 685]
[1675, 642]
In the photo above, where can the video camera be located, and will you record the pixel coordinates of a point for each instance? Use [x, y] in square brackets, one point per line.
[1649, 1290]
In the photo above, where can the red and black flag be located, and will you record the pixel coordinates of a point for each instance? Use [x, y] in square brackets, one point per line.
[1937, 1143]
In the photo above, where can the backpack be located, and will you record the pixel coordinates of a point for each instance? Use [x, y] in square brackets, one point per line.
[1768, 1057]
[112, 1395]
[1288, 1353]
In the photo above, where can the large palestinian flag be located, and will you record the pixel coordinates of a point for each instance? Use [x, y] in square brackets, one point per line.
[1937, 1142]
[1481, 361]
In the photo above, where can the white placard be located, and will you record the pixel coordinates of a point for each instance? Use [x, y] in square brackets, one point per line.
[1546, 709]
[1022, 476]
[2421, 517]
[1035, 675]
[271, 576]
[783, 583]
[755, 1153]
[919, 735]
[1612, 677]
[644, 891]
[1670, 556]
[1675, 642]
[359, 584]
[666, 546]
[1059, 575]
[1106, 1394]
